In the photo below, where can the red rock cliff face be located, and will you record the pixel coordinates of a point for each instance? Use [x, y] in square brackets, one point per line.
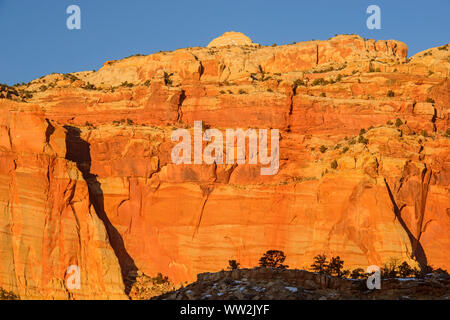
[47, 220]
[87, 177]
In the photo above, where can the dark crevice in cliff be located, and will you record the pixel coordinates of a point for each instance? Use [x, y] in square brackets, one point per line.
[418, 253]
[180, 102]
[291, 108]
[49, 131]
[201, 71]
[78, 151]
[433, 120]
[317, 55]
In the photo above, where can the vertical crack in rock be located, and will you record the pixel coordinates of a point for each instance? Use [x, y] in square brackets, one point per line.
[291, 107]
[207, 189]
[418, 252]
[433, 120]
[78, 151]
[317, 54]
[179, 110]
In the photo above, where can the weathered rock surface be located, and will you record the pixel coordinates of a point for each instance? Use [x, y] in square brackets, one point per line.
[94, 184]
[273, 284]
[47, 222]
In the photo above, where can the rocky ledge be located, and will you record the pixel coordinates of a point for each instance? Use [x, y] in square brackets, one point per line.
[276, 284]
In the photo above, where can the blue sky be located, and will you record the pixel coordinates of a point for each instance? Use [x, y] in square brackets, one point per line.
[35, 40]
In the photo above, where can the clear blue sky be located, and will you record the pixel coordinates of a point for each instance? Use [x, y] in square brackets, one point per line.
[34, 39]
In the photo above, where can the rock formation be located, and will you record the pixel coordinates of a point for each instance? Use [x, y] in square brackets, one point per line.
[232, 39]
[274, 284]
[87, 177]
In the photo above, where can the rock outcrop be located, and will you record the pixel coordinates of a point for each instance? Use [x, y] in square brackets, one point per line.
[273, 284]
[232, 39]
[87, 177]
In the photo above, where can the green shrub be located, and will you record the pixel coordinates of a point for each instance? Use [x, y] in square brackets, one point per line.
[160, 279]
[298, 83]
[319, 81]
[89, 86]
[323, 94]
[424, 133]
[323, 149]
[358, 273]
[334, 164]
[363, 140]
[233, 265]
[126, 84]
[390, 93]
[71, 77]
[167, 80]
[7, 295]
[404, 270]
[447, 133]
[430, 100]
[362, 131]
[398, 122]
[345, 149]
[242, 91]
[389, 123]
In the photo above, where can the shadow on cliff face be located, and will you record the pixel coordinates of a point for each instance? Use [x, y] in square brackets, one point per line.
[78, 151]
[418, 253]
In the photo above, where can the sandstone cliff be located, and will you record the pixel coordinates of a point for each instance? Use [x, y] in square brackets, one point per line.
[87, 177]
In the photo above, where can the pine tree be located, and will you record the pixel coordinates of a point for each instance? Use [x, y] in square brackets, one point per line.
[273, 259]
[320, 264]
[336, 267]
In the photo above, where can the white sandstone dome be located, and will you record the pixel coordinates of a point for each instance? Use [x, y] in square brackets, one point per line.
[232, 39]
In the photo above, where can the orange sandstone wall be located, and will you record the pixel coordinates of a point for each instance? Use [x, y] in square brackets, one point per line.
[82, 185]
